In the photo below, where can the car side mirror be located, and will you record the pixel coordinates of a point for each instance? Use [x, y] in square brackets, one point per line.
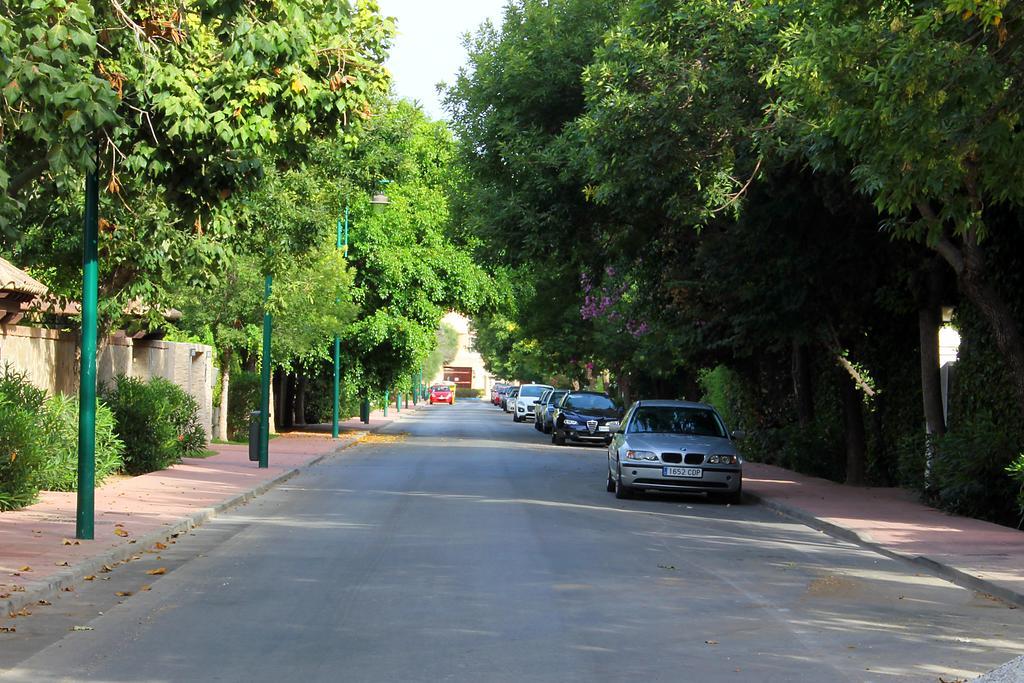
[738, 434]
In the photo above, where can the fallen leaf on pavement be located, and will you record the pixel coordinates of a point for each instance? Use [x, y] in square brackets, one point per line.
[26, 568]
[62, 564]
[145, 588]
[68, 589]
[120, 532]
[45, 602]
[666, 566]
[711, 642]
[160, 546]
[68, 541]
[81, 628]
[17, 589]
[106, 568]
[91, 577]
[123, 594]
[23, 612]
[8, 629]
[156, 572]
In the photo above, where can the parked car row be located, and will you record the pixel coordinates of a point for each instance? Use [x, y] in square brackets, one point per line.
[655, 445]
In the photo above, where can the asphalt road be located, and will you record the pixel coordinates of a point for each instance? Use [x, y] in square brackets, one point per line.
[471, 549]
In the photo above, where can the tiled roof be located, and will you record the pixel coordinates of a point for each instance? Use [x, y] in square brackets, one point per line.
[14, 280]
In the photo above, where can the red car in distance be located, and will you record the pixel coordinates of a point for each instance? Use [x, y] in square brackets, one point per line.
[442, 393]
[496, 392]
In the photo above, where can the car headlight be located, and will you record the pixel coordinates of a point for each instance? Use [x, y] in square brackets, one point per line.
[614, 424]
[641, 455]
[722, 460]
[570, 422]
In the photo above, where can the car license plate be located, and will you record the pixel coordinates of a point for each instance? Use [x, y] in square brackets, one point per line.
[688, 472]
[602, 428]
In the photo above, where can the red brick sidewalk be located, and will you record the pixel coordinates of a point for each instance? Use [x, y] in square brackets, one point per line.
[38, 552]
[972, 553]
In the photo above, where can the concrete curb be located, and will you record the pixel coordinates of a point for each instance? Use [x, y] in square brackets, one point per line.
[58, 582]
[947, 572]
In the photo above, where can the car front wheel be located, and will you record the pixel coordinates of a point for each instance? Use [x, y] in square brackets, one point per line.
[622, 492]
[558, 438]
[610, 484]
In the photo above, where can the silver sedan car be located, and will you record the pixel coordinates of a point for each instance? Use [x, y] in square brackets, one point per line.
[674, 446]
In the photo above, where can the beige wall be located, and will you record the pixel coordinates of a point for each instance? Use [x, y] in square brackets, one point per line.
[466, 356]
[50, 359]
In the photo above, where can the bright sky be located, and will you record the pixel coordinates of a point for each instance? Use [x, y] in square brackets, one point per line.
[428, 48]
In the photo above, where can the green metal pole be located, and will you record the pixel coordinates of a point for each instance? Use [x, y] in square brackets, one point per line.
[265, 376]
[387, 400]
[342, 243]
[85, 516]
[336, 411]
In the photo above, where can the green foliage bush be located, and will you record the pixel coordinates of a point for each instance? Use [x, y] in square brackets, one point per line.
[1016, 472]
[463, 392]
[970, 475]
[157, 421]
[243, 398]
[59, 427]
[21, 442]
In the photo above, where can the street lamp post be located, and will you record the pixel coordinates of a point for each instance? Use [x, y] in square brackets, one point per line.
[378, 201]
[264, 450]
[342, 243]
[85, 511]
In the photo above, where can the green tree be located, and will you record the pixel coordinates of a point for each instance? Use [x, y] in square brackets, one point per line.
[923, 101]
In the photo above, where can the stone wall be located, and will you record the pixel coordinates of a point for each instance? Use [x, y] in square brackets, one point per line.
[50, 359]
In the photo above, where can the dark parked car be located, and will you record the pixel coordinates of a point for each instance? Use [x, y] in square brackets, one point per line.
[585, 417]
[508, 398]
[546, 408]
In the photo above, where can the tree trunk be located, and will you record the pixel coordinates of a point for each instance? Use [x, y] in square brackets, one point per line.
[300, 399]
[803, 386]
[283, 406]
[931, 387]
[853, 422]
[929, 319]
[225, 385]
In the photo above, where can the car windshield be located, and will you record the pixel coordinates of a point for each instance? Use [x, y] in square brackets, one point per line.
[545, 396]
[533, 390]
[439, 387]
[676, 420]
[589, 402]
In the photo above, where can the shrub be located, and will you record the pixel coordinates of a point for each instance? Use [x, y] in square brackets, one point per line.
[1016, 470]
[970, 474]
[16, 387]
[183, 414]
[243, 398]
[20, 455]
[59, 426]
[20, 439]
[157, 421]
[464, 392]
